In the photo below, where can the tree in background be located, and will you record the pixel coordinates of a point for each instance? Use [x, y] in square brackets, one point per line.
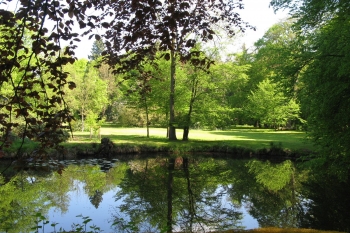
[90, 96]
[231, 78]
[278, 58]
[139, 91]
[269, 106]
[110, 111]
[97, 49]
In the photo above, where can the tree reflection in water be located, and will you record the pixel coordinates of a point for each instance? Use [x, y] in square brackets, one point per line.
[329, 205]
[182, 194]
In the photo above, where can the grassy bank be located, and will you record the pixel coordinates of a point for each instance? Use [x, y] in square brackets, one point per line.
[240, 140]
[243, 137]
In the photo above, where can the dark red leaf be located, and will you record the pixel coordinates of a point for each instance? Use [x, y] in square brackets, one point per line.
[167, 56]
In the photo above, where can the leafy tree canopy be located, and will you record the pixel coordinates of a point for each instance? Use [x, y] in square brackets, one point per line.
[326, 84]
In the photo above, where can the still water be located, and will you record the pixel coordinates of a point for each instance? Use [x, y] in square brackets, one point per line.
[182, 194]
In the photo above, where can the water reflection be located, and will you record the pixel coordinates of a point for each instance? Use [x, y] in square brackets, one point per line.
[329, 204]
[182, 194]
[175, 194]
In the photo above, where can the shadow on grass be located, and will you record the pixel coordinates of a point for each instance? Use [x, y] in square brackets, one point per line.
[290, 139]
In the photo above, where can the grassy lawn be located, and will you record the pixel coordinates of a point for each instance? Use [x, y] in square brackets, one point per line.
[241, 137]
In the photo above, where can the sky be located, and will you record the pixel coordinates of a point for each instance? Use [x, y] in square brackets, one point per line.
[259, 14]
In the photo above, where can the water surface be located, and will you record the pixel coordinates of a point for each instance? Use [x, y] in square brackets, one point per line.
[184, 194]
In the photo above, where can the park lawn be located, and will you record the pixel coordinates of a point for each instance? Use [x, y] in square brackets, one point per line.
[241, 137]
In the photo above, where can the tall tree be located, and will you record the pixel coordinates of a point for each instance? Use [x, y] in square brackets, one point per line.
[96, 51]
[31, 71]
[141, 87]
[230, 93]
[270, 106]
[172, 26]
[90, 96]
[50, 26]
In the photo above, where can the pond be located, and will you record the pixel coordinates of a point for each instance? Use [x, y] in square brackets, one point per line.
[183, 194]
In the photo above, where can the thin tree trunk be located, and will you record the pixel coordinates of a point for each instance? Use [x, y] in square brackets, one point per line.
[147, 119]
[185, 133]
[167, 128]
[172, 129]
[191, 208]
[294, 199]
[82, 120]
[188, 117]
[171, 167]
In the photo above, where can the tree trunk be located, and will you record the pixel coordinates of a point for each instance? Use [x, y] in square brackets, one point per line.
[191, 206]
[172, 129]
[147, 118]
[188, 117]
[186, 132]
[82, 120]
[171, 167]
[172, 133]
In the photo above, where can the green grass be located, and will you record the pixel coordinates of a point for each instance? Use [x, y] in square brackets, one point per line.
[134, 139]
[241, 137]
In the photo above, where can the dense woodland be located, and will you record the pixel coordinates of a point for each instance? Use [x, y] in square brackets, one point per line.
[154, 63]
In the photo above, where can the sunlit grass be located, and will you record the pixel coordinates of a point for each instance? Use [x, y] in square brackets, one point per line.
[240, 137]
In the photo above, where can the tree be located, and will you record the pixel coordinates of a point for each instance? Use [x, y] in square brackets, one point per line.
[269, 106]
[110, 111]
[231, 78]
[194, 85]
[281, 56]
[27, 35]
[90, 96]
[278, 57]
[325, 27]
[32, 77]
[197, 87]
[96, 51]
[138, 27]
[326, 95]
[145, 27]
[141, 86]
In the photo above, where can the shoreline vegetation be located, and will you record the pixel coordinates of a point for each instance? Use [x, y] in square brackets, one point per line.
[238, 142]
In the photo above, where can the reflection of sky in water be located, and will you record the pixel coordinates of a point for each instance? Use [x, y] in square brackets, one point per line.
[80, 205]
[248, 221]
